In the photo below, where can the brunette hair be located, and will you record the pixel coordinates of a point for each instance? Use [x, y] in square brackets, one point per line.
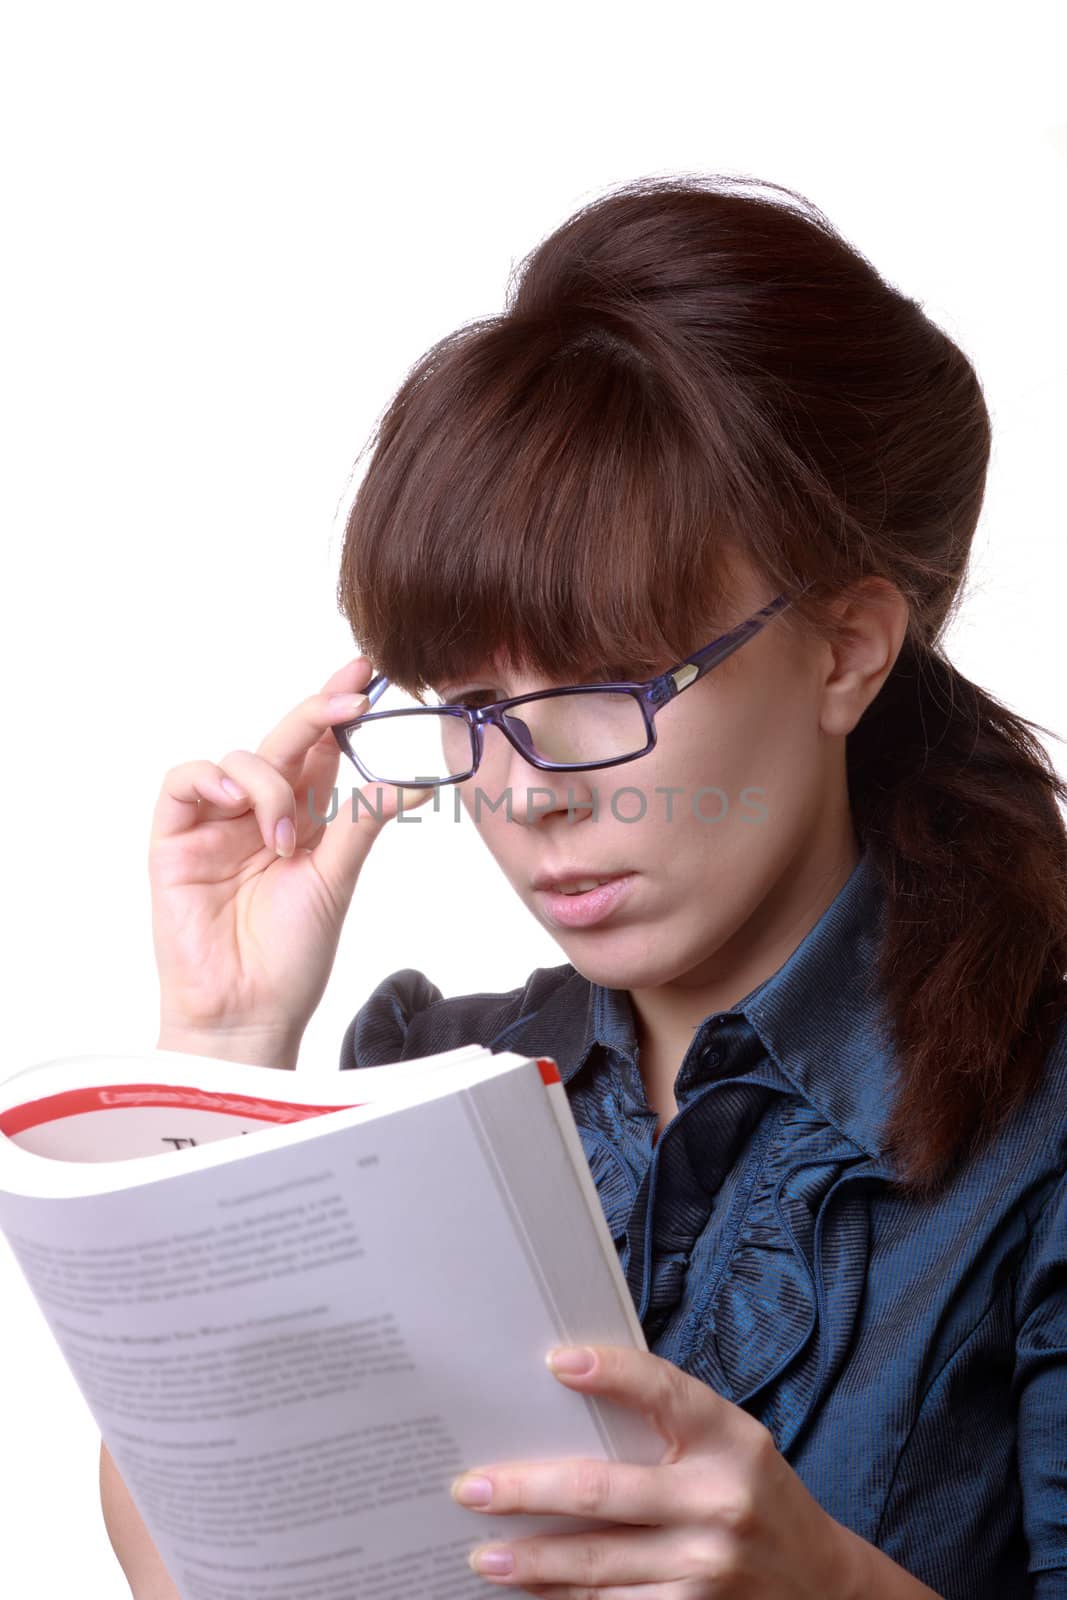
[688, 367]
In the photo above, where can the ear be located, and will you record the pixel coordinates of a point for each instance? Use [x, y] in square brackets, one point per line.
[872, 624]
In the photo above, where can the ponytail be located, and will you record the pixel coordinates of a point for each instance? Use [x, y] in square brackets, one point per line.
[958, 804]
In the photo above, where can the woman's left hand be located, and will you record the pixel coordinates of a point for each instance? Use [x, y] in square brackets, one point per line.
[722, 1515]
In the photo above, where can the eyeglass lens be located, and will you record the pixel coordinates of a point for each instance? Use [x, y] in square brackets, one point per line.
[429, 745]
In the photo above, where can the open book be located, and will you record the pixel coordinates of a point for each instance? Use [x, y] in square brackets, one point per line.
[297, 1308]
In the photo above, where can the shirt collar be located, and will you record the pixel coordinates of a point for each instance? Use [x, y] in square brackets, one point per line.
[820, 1017]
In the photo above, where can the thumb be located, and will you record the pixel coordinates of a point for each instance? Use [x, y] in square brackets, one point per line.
[347, 839]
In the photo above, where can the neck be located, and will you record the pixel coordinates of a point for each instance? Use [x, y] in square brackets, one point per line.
[667, 1016]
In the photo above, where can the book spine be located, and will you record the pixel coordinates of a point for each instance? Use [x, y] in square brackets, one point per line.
[561, 1106]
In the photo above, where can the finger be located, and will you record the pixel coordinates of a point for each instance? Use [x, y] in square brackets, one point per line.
[610, 1491]
[191, 791]
[270, 796]
[353, 828]
[353, 676]
[287, 744]
[318, 799]
[306, 727]
[585, 1563]
[681, 1408]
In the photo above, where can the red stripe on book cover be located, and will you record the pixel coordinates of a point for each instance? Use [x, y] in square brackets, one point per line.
[108, 1097]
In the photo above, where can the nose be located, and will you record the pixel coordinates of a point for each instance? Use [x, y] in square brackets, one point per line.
[526, 793]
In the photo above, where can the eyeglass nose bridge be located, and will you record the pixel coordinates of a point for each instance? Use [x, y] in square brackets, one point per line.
[482, 717]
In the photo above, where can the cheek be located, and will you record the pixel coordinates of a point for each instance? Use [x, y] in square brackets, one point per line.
[781, 764]
[714, 751]
[755, 756]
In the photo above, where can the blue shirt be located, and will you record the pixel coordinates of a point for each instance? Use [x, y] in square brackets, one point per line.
[909, 1357]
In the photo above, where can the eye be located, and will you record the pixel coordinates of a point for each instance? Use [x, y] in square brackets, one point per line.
[469, 698]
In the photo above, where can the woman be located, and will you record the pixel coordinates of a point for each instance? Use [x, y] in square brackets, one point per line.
[814, 1034]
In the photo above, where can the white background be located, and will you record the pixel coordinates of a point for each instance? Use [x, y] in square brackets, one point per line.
[228, 231]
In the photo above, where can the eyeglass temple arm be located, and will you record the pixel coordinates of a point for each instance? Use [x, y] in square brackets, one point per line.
[679, 677]
[376, 687]
[701, 661]
[374, 691]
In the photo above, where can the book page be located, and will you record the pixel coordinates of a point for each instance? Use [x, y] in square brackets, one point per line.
[291, 1356]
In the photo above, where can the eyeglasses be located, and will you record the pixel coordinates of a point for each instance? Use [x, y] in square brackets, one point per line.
[574, 729]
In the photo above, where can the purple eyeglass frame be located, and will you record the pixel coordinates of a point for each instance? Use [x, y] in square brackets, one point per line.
[651, 696]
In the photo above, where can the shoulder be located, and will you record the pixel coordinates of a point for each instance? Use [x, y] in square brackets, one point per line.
[407, 1016]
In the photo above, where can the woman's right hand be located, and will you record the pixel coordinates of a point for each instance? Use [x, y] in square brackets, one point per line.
[249, 891]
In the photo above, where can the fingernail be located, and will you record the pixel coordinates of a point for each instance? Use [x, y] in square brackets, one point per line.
[472, 1491]
[346, 705]
[232, 789]
[572, 1361]
[285, 837]
[496, 1561]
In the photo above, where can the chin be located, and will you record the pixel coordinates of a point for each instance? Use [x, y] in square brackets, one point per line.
[616, 963]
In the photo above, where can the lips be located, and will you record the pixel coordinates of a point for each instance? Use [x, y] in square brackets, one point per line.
[558, 882]
[590, 908]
